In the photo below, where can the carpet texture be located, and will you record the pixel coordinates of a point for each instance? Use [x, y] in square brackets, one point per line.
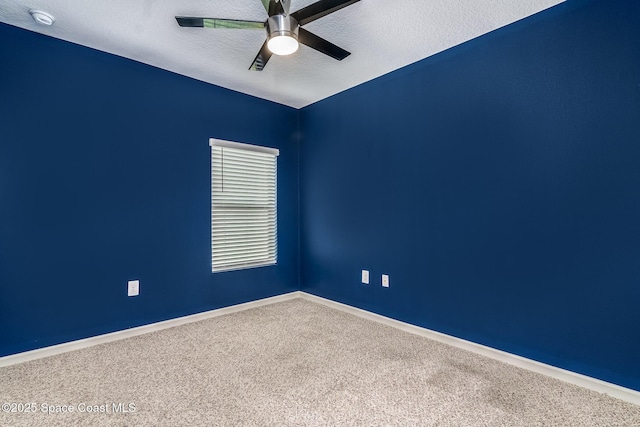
[294, 363]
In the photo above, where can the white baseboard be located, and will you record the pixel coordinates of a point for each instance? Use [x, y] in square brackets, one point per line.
[145, 329]
[614, 390]
[622, 393]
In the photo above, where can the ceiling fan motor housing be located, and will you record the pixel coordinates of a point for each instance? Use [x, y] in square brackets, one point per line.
[282, 25]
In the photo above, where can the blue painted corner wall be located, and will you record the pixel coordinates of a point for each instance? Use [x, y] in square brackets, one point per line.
[498, 184]
[105, 177]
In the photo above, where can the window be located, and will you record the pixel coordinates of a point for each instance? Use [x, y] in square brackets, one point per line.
[243, 205]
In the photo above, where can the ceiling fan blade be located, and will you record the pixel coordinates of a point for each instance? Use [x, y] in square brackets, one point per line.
[320, 9]
[321, 45]
[261, 58]
[185, 21]
[286, 5]
[275, 7]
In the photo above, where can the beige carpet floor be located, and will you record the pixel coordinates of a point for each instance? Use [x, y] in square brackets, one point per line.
[294, 363]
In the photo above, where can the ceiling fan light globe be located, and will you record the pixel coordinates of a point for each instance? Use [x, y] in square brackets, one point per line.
[282, 45]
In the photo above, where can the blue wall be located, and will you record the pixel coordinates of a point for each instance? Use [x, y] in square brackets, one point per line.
[104, 177]
[498, 184]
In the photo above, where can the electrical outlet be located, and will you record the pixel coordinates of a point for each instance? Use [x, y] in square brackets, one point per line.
[385, 280]
[133, 288]
[365, 277]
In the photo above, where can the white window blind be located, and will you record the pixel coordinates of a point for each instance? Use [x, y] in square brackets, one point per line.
[243, 205]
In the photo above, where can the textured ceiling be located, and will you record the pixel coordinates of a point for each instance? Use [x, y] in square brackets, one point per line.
[382, 36]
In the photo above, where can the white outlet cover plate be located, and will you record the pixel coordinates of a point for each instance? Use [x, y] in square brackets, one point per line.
[365, 277]
[133, 288]
[385, 280]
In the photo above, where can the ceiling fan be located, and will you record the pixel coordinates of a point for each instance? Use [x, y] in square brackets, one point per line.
[284, 29]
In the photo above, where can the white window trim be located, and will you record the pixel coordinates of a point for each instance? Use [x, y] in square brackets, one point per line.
[242, 146]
